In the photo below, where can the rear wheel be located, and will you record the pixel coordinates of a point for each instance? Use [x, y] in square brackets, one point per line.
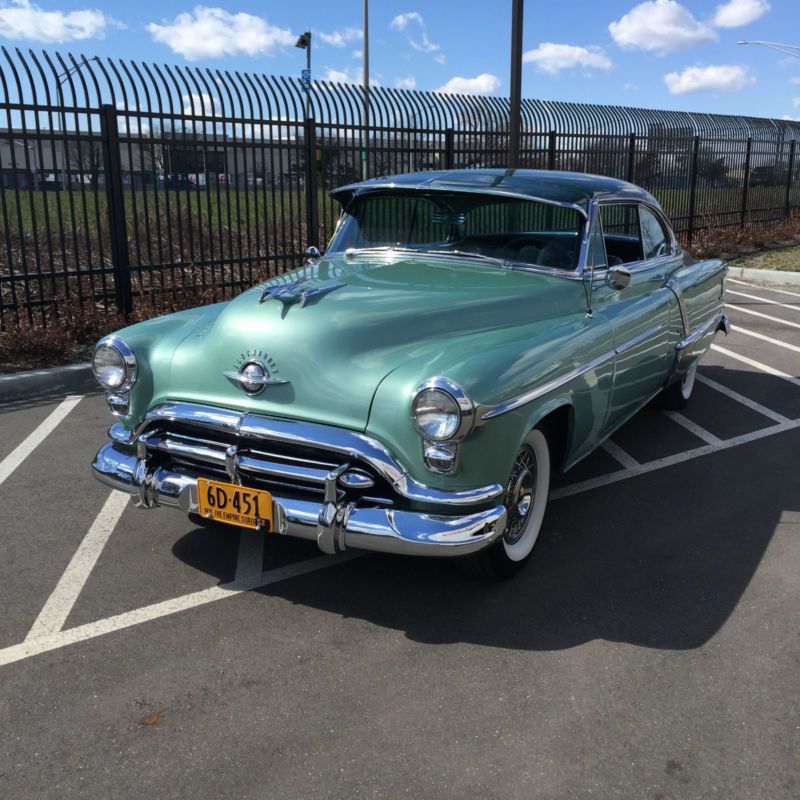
[525, 502]
[678, 394]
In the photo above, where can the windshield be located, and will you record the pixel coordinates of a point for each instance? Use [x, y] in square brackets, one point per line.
[509, 229]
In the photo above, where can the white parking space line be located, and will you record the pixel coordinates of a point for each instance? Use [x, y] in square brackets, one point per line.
[668, 461]
[757, 364]
[763, 288]
[56, 610]
[764, 300]
[763, 316]
[249, 562]
[37, 436]
[769, 339]
[693, 427]
[53, 641]
[740, 398]
[618, 454]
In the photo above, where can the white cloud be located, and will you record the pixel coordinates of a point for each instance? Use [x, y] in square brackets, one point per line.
[715, 78]
[401, 21]
[348, 75]
[552, 58]
[213, 33]
[413, 19]
[661, 26]
[630, 87]
[485, 83]
[340, 38]
[735, 13]
[406, 83]
[796, 79]
[21, 19]
[796, 102]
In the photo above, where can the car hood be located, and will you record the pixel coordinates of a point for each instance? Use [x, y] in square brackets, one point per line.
[372, 316]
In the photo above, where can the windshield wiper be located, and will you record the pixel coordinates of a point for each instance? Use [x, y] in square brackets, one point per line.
[357, 251]
[500, 262]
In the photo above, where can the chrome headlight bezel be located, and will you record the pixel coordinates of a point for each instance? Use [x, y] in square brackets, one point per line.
[127, 364]
[463, 410]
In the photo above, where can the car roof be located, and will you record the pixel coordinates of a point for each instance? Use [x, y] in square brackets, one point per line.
[572, 188]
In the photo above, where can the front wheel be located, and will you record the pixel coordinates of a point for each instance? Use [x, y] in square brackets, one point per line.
[525, 502]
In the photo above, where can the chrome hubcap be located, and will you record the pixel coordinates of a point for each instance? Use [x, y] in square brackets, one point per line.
[520, 494]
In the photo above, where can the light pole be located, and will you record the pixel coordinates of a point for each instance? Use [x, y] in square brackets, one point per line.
[786, 49]
[62, 117]
[514, 123]
[365, 79]
[304, 43]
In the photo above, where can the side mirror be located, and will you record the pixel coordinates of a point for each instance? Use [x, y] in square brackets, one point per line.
[618, 277]
[313, 252]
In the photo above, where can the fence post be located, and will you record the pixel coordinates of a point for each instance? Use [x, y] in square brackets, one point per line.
[746, 187]
[449, 149]
[312, 215]
[693, 187]
[115, 202]
[551, 150]
[786, 207]
[631, 156]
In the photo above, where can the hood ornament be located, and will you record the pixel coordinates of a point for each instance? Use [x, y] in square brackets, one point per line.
[301, 291]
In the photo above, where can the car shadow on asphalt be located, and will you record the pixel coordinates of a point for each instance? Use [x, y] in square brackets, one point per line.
[659, 561]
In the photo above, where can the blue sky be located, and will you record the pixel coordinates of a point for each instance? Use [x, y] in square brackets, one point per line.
[656, 54]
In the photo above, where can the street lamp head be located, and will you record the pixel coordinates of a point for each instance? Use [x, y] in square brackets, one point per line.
[303, 40]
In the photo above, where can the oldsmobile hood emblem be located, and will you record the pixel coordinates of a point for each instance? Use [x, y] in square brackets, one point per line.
[299, 291]
[255, 371]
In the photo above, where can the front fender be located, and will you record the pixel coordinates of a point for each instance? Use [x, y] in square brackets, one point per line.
[495, 370]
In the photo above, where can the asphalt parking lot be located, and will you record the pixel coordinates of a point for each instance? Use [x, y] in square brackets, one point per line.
[650, 650]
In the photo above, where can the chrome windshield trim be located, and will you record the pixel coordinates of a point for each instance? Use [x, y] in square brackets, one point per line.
[444, 187]
[345, 443]
[523, 399]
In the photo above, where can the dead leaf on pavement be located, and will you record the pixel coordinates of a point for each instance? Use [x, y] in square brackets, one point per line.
[149, 719]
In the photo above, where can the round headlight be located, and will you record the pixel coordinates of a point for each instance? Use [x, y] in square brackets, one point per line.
[113, 363]
[436, 414]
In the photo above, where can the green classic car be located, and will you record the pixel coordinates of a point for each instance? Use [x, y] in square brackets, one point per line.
[466, 333]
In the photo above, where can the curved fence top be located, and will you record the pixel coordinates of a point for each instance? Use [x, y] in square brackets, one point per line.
[50, 82]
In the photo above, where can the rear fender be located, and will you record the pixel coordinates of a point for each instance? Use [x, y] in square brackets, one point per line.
[699, 291]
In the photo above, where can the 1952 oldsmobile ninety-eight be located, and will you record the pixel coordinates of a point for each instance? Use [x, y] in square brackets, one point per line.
[465, 333]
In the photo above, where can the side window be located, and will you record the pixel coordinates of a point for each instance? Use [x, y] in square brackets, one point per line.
[622, 234]
[654, 237]
[596, 256]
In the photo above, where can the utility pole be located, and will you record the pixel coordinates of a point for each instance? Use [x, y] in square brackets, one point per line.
[515, 121]
[365, 131]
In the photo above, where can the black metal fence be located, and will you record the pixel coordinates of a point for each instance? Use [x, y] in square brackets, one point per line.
[120, 179]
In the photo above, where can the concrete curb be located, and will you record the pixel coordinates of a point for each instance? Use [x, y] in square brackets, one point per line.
[773, 276]
[39, 382]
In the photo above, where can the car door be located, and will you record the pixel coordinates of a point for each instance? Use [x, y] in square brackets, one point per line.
[637, 241]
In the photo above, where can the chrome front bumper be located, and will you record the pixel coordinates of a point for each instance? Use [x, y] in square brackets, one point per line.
[334, 525]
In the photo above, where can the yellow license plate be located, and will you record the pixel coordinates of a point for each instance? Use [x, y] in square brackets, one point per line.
[235, 505]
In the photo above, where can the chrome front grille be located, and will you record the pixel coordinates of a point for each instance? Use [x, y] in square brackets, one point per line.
[255, 462]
